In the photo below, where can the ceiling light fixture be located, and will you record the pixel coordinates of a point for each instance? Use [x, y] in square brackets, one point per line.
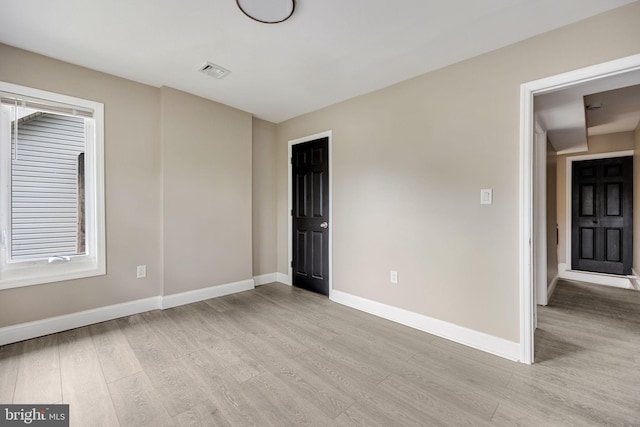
[267, 11]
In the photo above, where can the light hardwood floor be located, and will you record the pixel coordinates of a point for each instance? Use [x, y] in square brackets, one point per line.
[284, 357]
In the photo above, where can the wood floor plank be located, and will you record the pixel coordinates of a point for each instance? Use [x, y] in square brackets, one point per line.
[307, 333]
[464, 352]
[9, 363]
[440, 402]
[229, 303]
[450, 365]
[278, 356]
[221, 326]
[572, 407]
[193, 326]
[146, 343]
[307, 384]
[204, 414]
[381, 360]
[244, 319]
[177, 390]
[348, 376]
[316, 310]
[223, 392]
[172, 334]
[565, 373]
[382, 345]
[233, 360]
[301, 323]
[83, 385]
[38, 379]
[475, 398]
[282, 406]
[587, 333]
[408, 339]
[508, 415]
[138, 403]
[116, 355]
[358, 415]
[271, 345]
[160, 358]
[381, 405]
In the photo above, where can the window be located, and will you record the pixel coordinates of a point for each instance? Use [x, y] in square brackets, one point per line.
[51, 187]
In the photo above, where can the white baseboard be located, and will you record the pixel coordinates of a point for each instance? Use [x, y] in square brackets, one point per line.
[206, 293]
[38, 328]
[478, 340]
[283, 278]
[595, 278]
[552, 288]
[635, 280]
[264, 279]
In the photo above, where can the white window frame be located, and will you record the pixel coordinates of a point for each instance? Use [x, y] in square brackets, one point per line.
[17, 273]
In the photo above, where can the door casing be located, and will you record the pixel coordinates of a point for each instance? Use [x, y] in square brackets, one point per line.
[526, 185]
[291, 143]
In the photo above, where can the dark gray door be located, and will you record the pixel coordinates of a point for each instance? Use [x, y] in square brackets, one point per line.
[310, 168]
[602, 215]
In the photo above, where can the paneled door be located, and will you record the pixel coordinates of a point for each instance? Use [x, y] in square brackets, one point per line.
[310, 182]
[602, 215]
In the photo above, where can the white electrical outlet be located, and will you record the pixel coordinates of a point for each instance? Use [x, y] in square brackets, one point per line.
[141, 271]
[393, 276]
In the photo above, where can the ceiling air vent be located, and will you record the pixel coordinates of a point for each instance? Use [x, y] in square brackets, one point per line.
[214, 70]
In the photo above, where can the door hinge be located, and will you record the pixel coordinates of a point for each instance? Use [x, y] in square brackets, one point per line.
[291, 160]
[291, 212]
[291, 264]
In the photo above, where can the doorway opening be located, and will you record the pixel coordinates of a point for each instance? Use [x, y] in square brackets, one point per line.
[310, 207]
[531, 255]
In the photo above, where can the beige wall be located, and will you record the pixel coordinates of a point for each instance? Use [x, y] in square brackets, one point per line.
[597, 144]
[195, 203]
[264, 200]
[132, 174]
[552, 220]
[408, 165]
[206, 199]
[636, 200]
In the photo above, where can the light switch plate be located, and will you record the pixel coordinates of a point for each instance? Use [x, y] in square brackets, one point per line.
[393, 276]
[486, 196]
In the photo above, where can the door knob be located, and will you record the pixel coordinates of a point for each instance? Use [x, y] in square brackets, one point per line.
[324, 225]
[595, 221]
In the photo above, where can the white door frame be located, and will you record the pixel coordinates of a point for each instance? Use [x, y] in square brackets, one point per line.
[527, 93]
[327, 134]
[540, 216]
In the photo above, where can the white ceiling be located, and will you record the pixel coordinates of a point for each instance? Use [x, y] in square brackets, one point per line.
[329, 51]
[619, 111]
[567, 122]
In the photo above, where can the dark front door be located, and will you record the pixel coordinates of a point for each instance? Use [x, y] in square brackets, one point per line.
[310, 165]
[602, 215]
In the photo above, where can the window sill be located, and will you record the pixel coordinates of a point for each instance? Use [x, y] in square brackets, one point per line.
[38, 275]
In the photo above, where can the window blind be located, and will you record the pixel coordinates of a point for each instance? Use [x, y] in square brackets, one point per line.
[10, 99]
[44, 185]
